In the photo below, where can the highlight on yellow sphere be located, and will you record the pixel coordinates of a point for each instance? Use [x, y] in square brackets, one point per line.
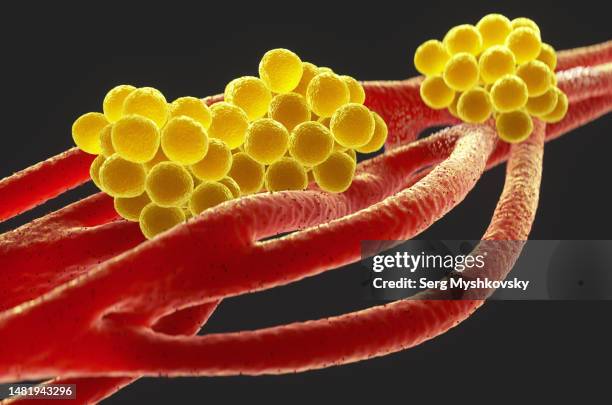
[463, 38]
[514, 126]
[524, 22]
[122, 178]
[537, 76]
[431, 57]
[249, 93]
[106, 141]
[216, 164]
[311, 143]
[309, 71]
[159, 157]
[147, 102]
[493, 28]
[378, 138]
[436, 93]
[524, 43]
[155, 219]
[509, 93]
[336, 173]
[474, 105]
[86, 132]
[135, 138]
[266, 141]
[289, 109]
[558, 113]
[461, 72]
[231, 184]
[281, 70]
[94, 170]
[169, 184]
[356, 91]
[352, 125]
[286, 174]
[191, 107]
[324, 69]
[326, 93]
[130, 208]
[113, 101]
[207, 195]
[543, 104]
[184, 140]
[548, 55]
[495, 62]
[229, 123]
[248, 173]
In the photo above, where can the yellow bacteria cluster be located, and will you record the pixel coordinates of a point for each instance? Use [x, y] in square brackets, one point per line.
[497, 67]
[165, 162]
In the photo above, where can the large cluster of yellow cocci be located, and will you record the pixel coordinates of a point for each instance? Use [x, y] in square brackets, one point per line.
[497, 67]
[164, 162]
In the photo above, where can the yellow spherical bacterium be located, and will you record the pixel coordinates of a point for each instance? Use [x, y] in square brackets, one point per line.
[106, 141]
[249, 93]
[311, 143]
[326, 93]
[352, 125]
[169, 184]
[548, 55]
[336, 173]
[184, 140]
[216, 164]
[537, 76]
[431, 57]
[559, 111]
[474, 105]
[207, 195]
[122, 178]
[309, 71]
[159, 157]
[525, 44]
[191, 107]
[461, 72]
[524, 22]
[94, 170]
[357, 93]
[281, 70]
[436, 93]
[130, 208]
[86, 132]
[494, 28]
[247, 173]
[147, 102]
[509, 93]
[135, 138]
[286, 174]
[231, 185]
[514, 126]
[495, 62]
[543, 104]
[155, 219]
[113, 101]
[289, 109]
[229, 123]
[463, 38]
[378, 138]
[266, 140]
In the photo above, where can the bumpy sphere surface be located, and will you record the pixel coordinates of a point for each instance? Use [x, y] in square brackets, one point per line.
[326, 93]
[494, 28]
[336, 173]
[514, 126]
[461, 72]
[106, 141]
[247, 172]
[311, 143]
[525, 44]
[231, 185]
[289, 109]
[169, 184]
[207, 195]
[122, 178]
[184, 140]
[86, 132]
[357, 93]
[436, 93]
[155, 219]
[113, 101]
[474, 106]
[496, 62]
[266, 141]
[543, 104]
[431, 57]
[249, 93]
[548, 55]
[558, 113]
[135, 138]
[94, 170]
[130, 208]
[537, 76]
[286, 174]
[524, 22]
[378, 138]
[193, 108]
[229, 123]
[216, 164]
[463, 38]
[281, 70]
[509, 93]
[147, 102]
[352, 125]
[309, 71]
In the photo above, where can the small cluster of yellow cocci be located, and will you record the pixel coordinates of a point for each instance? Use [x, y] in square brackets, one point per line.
[498, 67]
[164, 162]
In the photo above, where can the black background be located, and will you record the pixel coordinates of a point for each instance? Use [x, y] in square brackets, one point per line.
[58, 63]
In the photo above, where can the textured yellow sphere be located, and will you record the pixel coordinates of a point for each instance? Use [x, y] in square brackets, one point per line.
[495, 62]
[378, 138]
[524, 22]
[543, 104]
[216, 164]
[229, 123]
[461, 72]
[266, 141]
[463, 38]
[147, 102]
[207, 195]
[494, 28]
[514, 126]
[130, 208]
[309, 71]
[525, 44]
[326, 93]
[452, 107]
[436, 93]
[122, 178]
[193, 108]
[184, 140]
[474, 106]
[86, 132]
[281, 70]
[558, 113]
[352, 154]
[135, 138]
[548, 55]
[231, 185]
[352, 125]
[94, 170]
[509, 93]
[311, 143]
[336, 173]
[155, 219]
[286, 174]
[537, 76]
[289, 109]
[431, 57]
[106, 141]
[249, 93]
[113, 101]
[357, 93]
[159, 157]
[248, 173]
[169, 184]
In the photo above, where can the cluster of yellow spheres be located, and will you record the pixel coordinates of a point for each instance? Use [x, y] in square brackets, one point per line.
[498, 67]
[165, 162]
